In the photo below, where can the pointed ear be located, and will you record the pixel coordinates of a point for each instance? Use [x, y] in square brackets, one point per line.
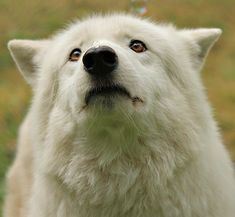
[204, 38]
[25, 54]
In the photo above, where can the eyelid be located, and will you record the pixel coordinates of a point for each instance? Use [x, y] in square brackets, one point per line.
[71, 57]
[138, 41]
[75, 49]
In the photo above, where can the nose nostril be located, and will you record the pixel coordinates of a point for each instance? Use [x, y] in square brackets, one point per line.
[89, 61]
[109, 58]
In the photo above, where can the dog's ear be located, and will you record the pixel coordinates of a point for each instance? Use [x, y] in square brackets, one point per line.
[204, 38]
[26, 54]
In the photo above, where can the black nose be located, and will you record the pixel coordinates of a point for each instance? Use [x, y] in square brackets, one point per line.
[100, 61]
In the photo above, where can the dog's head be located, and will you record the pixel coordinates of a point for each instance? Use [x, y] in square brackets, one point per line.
[120, 67]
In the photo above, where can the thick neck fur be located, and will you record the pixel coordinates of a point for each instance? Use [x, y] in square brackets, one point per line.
[114, 144]
[112, 159]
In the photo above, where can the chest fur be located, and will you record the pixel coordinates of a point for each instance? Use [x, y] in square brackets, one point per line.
[122, 189]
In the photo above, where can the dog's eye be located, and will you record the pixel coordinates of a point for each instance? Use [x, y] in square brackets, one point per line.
[137, 46]
[75, 55]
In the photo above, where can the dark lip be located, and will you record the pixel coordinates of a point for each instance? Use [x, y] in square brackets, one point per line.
[110, 90]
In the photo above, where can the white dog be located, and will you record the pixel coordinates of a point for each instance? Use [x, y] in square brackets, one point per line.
[119, 125]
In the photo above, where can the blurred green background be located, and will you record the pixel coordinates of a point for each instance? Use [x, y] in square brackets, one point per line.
[34, 19]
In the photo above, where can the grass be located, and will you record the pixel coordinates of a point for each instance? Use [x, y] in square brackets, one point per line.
[40, 18]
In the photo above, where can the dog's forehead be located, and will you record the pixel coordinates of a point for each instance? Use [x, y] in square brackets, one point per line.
[109, 26]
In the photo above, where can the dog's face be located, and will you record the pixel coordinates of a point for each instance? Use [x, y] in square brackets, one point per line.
[104, 65]
[117, 66]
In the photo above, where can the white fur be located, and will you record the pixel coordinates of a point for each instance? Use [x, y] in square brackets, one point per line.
[159, 158]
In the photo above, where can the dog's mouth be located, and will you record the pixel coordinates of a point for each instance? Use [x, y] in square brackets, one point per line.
[107, 91]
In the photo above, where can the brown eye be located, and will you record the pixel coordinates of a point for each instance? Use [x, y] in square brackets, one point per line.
[75, 55]
[137, 46]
